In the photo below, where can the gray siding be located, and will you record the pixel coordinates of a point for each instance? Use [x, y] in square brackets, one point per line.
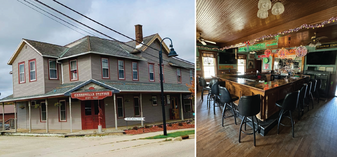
[53, 115]
[51, 84]
[84, 66]
[28, 88]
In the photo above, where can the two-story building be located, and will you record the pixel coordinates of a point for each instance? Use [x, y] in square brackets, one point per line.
[65, 87]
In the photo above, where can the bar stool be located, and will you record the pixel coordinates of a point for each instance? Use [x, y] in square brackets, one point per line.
[215, 94]
[249, 106]
[209, 96]
[318, 87]
[300, 104]
[313, 90]
[204, 87]
[227, 99]
[308, 97]
[288, 104]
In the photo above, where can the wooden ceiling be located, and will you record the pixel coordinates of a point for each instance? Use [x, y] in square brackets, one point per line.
[229, 22]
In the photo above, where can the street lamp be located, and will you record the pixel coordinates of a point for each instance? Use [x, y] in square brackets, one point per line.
[171, 54]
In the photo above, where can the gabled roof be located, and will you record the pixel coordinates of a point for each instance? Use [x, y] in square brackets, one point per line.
[132, 44]
[42, 48]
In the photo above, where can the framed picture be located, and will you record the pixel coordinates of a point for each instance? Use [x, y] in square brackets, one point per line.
[250, 64]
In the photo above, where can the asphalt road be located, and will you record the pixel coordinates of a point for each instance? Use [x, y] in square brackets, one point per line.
[123, 145]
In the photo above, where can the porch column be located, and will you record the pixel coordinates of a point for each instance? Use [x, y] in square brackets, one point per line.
[47, 120]
[29, 117]
[141, 107]
[3, 116]
[15, 118]
[181, 107]
[115, 108]
[70, 116]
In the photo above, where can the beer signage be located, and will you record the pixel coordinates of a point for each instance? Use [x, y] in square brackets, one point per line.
[91, 95]
[326, 46]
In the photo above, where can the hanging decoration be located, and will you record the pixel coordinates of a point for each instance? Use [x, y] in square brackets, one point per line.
[262, 14]
[264, 5]
[278, 8]
[303, 26]
[282, 53]
[301, 51]
[267, 52]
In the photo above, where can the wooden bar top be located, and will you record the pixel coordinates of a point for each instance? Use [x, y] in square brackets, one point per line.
[254, 83]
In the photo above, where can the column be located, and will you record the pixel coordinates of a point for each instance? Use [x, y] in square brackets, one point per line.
[3, 116]
[47, 120]
[15, 117]
[115, 108]
[141, 107]
[29, 116]
[70, 116]
[181, 107]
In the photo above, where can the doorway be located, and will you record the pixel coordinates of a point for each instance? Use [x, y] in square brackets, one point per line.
[241, 66]
[258, 65]
[174, 108]
[89, 114]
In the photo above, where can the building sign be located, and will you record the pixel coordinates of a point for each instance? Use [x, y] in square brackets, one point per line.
[243, 49]
[134, 118]
[256, 47]
[91, 95]
[326, 46]
[272, 44]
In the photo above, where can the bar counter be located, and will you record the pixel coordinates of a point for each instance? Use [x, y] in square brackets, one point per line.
[270, 91]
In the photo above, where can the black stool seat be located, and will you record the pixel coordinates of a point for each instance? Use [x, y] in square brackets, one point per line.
[227, 99]
[249, 106]
[289, 103]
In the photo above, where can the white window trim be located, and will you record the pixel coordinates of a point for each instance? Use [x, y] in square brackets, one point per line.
[152, 73]
[30, 79]
[43, 103]
[73, 70]
[24, 75]
[134, 107]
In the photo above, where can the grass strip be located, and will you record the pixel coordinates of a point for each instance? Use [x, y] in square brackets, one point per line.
[173, 134]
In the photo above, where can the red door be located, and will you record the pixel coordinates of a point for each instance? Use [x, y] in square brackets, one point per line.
[90, 112]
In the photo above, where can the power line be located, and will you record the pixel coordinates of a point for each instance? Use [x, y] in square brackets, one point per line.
[102, 24]
[50, 17]
[90, 27]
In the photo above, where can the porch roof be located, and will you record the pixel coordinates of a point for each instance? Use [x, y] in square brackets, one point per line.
[114, 86]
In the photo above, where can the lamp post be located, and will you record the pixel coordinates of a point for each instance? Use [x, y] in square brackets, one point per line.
[171, 54]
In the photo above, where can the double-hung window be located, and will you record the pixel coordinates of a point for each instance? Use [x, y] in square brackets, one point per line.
[179, 75]
[73, 70]
[63, 111]
[136, 105]
[43, 111]
[120, 107]
[32, 70]
[151, 72]
[53, 69]
[22, 77]
[121, 69]
[105, 68]
[135, 71]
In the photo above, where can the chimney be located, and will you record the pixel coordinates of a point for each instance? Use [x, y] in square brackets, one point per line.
[139, 34]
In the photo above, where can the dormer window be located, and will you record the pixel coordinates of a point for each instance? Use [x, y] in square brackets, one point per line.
[22, 77]
[53, 69]
[73, 70]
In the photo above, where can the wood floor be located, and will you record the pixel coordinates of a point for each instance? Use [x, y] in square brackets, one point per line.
[315, 134]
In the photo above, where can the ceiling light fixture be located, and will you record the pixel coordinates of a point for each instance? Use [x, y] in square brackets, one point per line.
[278, 8]
[265, 5]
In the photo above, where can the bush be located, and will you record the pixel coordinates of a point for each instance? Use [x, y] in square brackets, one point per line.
[170, 125]
[146, 126]
[135, 128]
[180, 124]
[161, 126]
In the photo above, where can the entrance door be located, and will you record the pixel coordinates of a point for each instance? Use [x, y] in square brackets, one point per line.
[258, 65]
[90, 112]
[174, 108]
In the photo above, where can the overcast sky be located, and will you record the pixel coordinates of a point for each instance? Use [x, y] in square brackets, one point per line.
[168, 18]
